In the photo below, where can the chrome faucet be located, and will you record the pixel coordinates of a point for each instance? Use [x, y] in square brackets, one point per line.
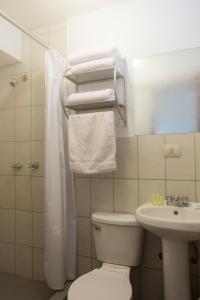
[176, 200]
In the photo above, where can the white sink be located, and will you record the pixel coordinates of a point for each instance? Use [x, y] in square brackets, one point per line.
[171, 222]
[176, 226]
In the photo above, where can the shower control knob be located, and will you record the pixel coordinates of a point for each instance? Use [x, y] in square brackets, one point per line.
[34, 165]
[16, 165]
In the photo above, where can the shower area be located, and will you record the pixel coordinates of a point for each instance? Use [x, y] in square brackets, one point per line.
[22, 133]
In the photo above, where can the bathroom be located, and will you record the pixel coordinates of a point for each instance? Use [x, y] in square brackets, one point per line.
[140, 29]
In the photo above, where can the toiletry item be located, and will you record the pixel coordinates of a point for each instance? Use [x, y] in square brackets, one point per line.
[154, 199]
[161, 201]
[157, 199]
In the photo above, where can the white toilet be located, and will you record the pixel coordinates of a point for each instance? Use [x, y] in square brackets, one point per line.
[118, 241]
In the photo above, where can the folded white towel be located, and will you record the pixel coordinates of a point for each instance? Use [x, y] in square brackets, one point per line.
[92, 142]
[90, 97]
[92, 54]
[95, 65]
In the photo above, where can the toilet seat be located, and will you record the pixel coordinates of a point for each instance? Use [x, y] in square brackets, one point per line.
[110, 282]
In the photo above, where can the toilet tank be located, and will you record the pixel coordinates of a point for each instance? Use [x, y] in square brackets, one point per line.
[118, 238]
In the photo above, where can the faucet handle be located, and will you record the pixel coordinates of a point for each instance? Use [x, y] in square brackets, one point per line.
[169, 200]
[185, 201]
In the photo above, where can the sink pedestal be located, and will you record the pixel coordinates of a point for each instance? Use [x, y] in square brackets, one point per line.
[176, 270]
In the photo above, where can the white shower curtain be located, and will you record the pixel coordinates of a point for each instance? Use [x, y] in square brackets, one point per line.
[60, 214]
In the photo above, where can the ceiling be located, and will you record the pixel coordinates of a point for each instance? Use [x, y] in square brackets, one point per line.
[32, 13]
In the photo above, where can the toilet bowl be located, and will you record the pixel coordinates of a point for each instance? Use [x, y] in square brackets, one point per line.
[118, 242]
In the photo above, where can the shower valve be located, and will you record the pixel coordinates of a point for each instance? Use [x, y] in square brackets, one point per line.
[16, 165]
[33, 165]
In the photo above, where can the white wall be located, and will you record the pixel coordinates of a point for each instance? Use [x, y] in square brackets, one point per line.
[139, 28]
[10, 44]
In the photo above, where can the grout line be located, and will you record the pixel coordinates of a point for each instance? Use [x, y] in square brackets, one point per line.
[195, 169]
[15, 194]
[19, 244]
[31, 122]
[20, 141]
[165, 159]
[114, 182]
[137, 149]
[91, 233]
[21, 175]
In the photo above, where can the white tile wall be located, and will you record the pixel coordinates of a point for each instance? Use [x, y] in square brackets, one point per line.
[7, 258]
[38, 122]
[38, 230]
[151, 160]
[24, 228]
[24, 261]
[23, 124]
[183, 167]
[84, 236]
[102, 194]
[23, 92]
[7, 192]
[6, 125]
[197, 155]
[84, 265]
[126, 152]
[149, 187]
[23, 193]
[7, 93]
[37, 193]
[7, 225]
[125, 195]
[83, 201]
[6, 158]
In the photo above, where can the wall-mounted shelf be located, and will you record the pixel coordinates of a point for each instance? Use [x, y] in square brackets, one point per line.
[110, 73]
[92, 76]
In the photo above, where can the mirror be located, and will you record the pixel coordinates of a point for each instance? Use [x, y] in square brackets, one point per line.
[167, 93]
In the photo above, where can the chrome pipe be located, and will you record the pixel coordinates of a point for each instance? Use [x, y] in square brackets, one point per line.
[14, 81]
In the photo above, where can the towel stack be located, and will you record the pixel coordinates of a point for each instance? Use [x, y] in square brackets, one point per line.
[90, 97]
[93, 59]
[88, 61]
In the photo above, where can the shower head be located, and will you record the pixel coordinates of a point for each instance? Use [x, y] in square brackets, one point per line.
[14, 81]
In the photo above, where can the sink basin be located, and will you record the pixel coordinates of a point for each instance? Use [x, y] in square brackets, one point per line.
[171, 222]
[176, 226]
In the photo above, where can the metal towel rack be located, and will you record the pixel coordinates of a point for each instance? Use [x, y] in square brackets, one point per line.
[95, 76]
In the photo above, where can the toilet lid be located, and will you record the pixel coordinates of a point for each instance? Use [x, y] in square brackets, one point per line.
[101, 285]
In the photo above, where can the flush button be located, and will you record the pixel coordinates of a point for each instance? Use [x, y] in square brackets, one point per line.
[172, 151]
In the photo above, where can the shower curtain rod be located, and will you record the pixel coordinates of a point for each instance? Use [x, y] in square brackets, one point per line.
[4, 16]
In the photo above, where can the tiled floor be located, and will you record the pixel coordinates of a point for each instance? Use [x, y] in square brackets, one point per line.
[17, 288]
